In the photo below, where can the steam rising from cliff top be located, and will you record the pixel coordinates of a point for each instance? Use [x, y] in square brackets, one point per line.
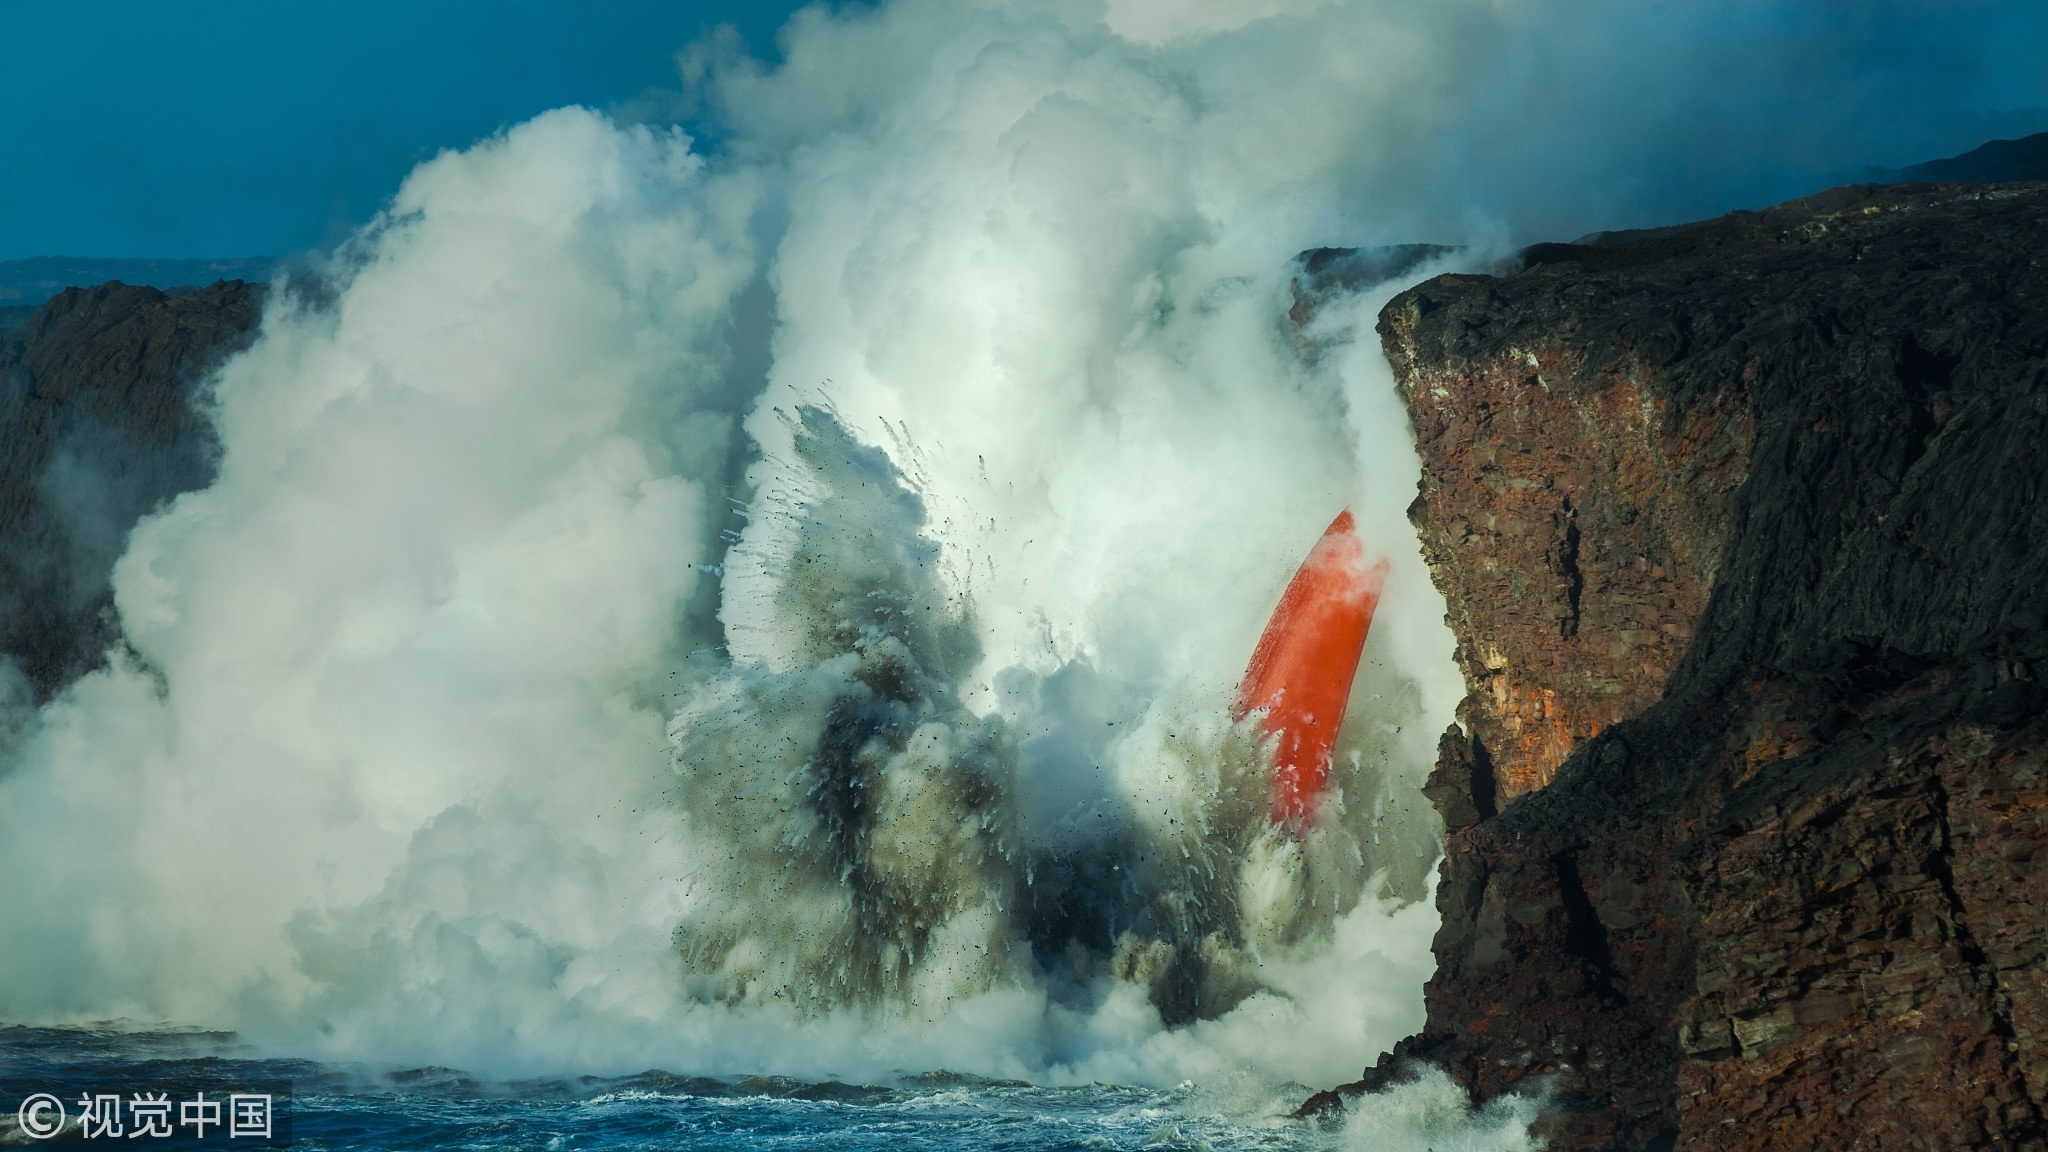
[1451, 120]
[418, 749]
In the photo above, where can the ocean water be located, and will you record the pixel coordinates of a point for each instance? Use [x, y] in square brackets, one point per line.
[320, 1105]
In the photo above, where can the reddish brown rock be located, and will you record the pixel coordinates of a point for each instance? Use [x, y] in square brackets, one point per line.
[1742, 534]
[1869, 958]
[1548, 476]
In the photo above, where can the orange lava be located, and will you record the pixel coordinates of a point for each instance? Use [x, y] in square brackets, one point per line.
[1300, 674]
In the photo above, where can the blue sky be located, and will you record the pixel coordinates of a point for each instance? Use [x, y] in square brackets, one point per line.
[235, 127]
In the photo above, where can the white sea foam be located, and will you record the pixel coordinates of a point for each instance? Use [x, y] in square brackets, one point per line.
[1432, 1114]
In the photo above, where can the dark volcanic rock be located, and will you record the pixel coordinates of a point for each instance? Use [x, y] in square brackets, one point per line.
[2001, 160]
[98, 426]
[28, 283]
[1742, 533]
[1324, 272]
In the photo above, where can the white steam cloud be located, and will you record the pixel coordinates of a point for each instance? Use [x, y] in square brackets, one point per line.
[426, 749]
[545, 683]
[418, 625]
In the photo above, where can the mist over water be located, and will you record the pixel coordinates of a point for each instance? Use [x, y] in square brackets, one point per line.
[777, 610]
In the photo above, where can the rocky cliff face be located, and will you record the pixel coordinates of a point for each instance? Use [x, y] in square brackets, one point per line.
[1742, 533]
[98, 425]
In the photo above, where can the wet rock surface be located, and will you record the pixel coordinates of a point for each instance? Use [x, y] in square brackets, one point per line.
[1741, 531]
[99, 424]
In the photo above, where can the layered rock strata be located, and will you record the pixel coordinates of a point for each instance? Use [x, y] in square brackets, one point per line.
[1742, 534]
[100, 422]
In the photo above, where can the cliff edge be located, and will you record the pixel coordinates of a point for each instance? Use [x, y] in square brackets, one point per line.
[1741, 530]
[101, 406]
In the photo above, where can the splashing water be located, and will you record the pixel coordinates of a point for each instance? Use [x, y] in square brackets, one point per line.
[878, 852]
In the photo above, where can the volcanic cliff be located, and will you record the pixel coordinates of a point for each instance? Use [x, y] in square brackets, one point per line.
[101, 411]
[1741, 532]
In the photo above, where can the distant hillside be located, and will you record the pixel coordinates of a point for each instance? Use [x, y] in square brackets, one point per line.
[1999, 162]
[27, 283]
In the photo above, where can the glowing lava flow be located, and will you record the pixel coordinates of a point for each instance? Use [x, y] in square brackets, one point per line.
[1300, 674]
